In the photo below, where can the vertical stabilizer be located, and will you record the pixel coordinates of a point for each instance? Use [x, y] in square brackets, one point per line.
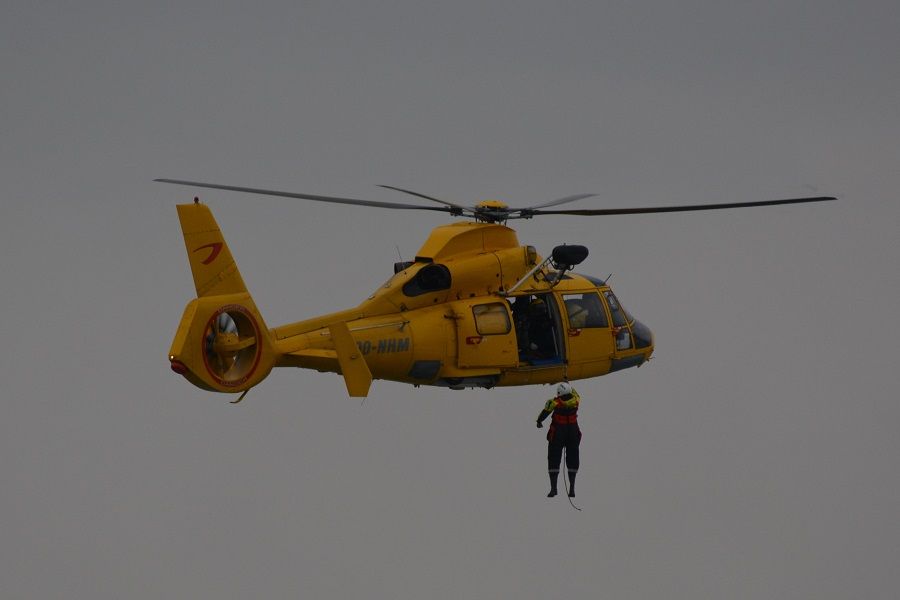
[215, 272]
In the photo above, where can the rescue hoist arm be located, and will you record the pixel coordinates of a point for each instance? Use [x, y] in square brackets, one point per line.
[563, 258]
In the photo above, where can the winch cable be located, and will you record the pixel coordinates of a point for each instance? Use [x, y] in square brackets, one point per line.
[565, 481]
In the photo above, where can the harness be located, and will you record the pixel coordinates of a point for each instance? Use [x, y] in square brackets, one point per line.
[559, 419]
[565, 417]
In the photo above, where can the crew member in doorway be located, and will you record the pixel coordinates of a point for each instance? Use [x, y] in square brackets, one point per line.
[540, 330]
[563, 433]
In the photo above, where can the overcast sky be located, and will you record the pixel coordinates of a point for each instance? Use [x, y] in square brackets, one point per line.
[756, 456]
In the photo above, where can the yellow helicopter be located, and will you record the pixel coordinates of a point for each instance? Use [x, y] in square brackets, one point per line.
[474, 309]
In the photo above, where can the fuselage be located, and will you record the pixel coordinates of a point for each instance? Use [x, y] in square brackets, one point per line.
[446, 319]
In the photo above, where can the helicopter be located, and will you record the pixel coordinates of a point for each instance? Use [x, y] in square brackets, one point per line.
[474, 309]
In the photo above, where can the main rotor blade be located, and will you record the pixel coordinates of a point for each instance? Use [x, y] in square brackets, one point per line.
[682, 208]
[332, 199]
[558, 202]
[412, 193]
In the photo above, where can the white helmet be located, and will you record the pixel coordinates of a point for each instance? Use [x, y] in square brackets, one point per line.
[564, 389]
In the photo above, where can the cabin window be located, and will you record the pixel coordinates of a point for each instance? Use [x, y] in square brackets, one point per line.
[430, 278]
[491, 319]
[585, 310]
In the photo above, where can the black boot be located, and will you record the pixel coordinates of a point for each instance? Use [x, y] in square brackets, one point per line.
[553, 478]
[572, 475]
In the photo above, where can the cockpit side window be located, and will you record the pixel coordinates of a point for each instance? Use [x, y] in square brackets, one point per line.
[430, 278]
[585, 310]
[620, 320]
[618, 315]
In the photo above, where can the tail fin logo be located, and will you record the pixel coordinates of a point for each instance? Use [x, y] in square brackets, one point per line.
[215, 248]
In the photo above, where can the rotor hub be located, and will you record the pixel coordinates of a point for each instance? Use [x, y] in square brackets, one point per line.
[492, 205]
[491, 211]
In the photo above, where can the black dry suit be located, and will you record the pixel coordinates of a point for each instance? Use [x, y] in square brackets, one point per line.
[564, 433]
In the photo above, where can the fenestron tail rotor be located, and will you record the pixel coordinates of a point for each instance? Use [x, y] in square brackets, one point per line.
[493, 211]
[231, 346]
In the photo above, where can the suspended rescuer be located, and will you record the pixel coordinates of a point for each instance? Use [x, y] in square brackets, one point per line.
[564, 433]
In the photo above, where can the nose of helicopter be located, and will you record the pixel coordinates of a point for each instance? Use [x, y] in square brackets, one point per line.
[643, 338]
[634, 346]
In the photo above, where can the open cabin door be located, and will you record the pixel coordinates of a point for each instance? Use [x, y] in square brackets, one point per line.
[538, 331]
[485, 335]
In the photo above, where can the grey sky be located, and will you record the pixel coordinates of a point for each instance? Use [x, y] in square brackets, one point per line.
[754, 457]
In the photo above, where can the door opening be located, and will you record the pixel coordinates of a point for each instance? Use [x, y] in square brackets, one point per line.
[537, 324]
